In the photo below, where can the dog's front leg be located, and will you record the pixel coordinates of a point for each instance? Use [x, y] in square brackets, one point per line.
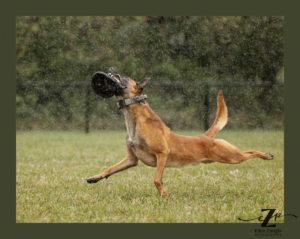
[161, 162]
[127, 162]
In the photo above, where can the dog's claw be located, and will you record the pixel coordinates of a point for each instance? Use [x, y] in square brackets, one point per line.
[93, 180]
[271, 155]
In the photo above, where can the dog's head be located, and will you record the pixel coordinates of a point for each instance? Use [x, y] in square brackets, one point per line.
[130, 88]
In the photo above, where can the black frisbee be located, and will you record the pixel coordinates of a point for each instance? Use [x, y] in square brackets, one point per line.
[106, 86]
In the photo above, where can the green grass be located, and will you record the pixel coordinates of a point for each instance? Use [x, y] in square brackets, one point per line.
[52, 167]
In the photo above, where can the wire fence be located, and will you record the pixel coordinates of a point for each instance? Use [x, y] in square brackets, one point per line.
[186, 90]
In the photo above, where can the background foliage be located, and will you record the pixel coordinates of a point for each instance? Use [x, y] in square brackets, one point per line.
[166, 49]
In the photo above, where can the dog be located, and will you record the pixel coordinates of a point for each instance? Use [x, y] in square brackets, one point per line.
[152, 142]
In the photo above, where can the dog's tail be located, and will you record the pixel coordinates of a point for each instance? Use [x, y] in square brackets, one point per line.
[221, 119]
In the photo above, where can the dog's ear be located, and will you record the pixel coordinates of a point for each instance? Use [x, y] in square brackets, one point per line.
[143, 83]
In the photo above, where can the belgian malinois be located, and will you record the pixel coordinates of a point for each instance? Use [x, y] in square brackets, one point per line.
[152, 142]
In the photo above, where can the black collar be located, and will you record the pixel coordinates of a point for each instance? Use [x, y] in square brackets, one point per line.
[132, 100]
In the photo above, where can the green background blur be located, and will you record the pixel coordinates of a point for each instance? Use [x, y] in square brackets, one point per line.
[166, 49]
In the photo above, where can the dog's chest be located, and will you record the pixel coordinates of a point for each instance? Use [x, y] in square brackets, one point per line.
[136, 143]
[132, 128]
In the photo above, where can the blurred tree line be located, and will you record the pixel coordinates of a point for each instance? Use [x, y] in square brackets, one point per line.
[166, 49]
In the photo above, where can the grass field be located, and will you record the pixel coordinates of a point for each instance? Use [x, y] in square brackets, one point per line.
[52, 167]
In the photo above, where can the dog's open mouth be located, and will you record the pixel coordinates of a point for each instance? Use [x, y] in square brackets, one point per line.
[117, 77]
[106, 85]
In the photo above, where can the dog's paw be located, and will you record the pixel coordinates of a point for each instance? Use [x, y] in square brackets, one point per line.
[271, 156]
[93, 180]
[165, 195]
[168, 196]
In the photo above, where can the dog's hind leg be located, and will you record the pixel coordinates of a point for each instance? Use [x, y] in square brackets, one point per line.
[224, 152]
[255, 154]
[129, 161]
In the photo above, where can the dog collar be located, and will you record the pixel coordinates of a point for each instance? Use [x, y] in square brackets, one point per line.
[129, 101]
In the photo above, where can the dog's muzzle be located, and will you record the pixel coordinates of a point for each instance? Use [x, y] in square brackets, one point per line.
[106, 86]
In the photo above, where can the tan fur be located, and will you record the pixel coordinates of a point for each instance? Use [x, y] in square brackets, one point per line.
[221, 119]
[152, 142]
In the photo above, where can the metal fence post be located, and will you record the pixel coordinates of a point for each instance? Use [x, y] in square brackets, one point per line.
[206, 107]
[87, 109]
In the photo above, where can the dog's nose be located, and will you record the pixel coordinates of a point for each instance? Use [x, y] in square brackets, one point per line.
[112, 70]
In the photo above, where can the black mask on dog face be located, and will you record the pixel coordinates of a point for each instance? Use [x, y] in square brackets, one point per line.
[107, 85]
